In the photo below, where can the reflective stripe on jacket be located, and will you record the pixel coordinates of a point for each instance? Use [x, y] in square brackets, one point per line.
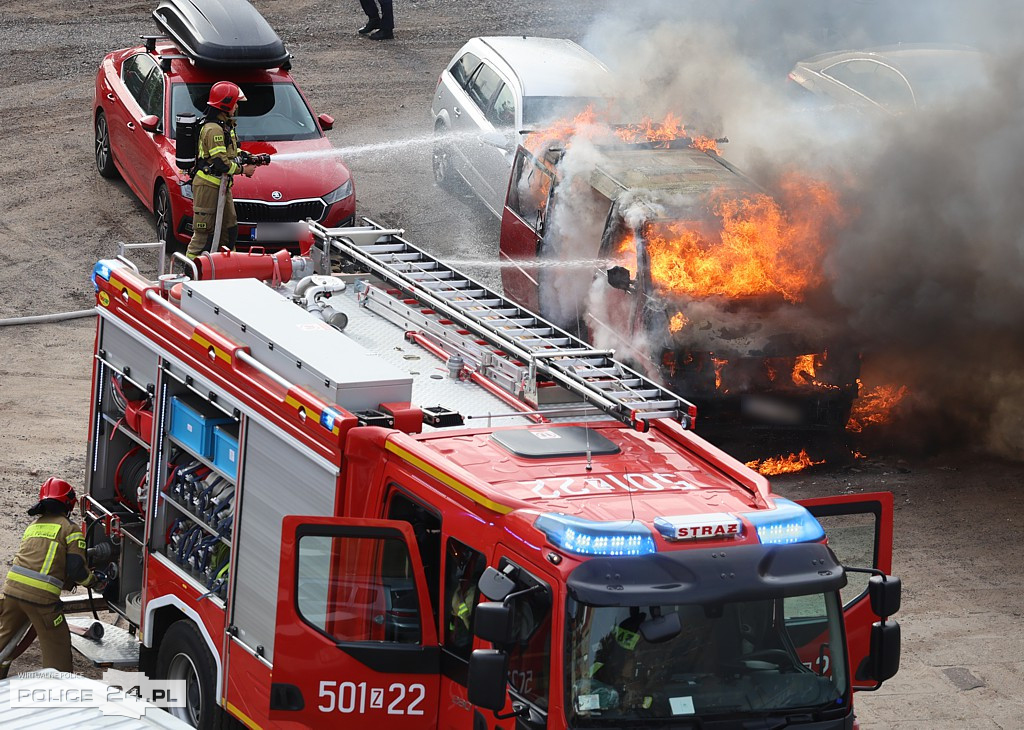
[50, 557]
[218, 148]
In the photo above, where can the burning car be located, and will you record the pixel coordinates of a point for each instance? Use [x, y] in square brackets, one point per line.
[140, 91]
[668, 254]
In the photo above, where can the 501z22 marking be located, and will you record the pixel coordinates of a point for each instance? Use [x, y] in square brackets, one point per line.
[350, 697]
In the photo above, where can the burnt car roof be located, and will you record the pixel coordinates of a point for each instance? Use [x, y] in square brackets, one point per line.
[221, 34]
[665, 172]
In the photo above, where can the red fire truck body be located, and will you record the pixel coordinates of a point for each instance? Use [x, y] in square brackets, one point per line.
[537, 539]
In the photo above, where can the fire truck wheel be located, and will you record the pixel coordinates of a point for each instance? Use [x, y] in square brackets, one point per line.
[183, 655]
[104, 157]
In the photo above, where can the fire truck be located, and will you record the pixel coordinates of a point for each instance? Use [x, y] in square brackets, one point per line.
[359, 488]
[593, 249]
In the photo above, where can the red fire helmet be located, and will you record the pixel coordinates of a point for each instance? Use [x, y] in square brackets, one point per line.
[54, 488]
[224, 94]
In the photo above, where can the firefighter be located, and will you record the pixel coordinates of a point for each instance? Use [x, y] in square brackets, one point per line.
[51, 557]
[464, 573]
[216, 157]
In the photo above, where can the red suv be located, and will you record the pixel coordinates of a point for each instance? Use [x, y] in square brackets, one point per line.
[140, 92]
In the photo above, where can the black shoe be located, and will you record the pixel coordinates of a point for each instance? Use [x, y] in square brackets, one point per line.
[371, 25]
[382, 35]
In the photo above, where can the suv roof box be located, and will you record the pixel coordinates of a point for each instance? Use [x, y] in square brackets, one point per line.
[221, 33]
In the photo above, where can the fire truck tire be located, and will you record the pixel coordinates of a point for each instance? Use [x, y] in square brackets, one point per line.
[104, 157]
[183, 655]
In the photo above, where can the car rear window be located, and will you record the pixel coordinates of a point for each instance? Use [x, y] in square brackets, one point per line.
[271, 112]
[464, 68]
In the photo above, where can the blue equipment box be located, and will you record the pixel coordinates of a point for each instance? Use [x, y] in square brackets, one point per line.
[225, 451]
[192, 428]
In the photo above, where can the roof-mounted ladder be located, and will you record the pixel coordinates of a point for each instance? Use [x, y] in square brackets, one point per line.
[510, 346]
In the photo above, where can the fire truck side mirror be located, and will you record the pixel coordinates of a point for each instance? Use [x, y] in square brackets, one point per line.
[618, 278]
[884, 660]
[493, 622]
[488, 672]
[495, 585]
[885, 592]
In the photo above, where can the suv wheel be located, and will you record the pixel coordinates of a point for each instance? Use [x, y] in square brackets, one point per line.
[104, 157]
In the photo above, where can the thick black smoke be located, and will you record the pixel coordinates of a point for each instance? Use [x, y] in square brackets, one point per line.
[929, 266]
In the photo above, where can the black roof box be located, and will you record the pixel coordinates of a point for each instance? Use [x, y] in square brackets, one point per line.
[221, 33]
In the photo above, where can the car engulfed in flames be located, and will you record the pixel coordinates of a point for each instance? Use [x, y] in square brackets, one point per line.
[705, 279]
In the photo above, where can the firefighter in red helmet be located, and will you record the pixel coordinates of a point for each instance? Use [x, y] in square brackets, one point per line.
[216, 162]
[51, 557]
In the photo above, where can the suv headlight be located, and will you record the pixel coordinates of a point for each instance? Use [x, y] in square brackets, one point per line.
[340, 193]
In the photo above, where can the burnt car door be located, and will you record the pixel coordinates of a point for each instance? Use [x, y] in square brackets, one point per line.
[522, 228]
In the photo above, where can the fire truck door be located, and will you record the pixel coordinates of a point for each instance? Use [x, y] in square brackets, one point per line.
[859, 531]
[355, 644]
[522, 227]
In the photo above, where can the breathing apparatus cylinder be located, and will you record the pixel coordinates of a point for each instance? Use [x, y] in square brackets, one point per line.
[187, 141]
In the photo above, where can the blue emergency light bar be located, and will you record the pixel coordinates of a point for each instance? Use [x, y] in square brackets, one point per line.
[586, 537]
[102, 270]
[786, 524]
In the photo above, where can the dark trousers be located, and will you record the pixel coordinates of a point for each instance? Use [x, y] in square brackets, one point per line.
[385, 16]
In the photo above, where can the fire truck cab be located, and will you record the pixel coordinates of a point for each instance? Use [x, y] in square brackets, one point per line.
[449, 514]
[578, 238]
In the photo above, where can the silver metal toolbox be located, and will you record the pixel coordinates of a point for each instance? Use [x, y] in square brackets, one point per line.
[296, 344]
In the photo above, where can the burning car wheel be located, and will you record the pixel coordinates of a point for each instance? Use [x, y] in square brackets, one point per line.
[444, 175]
[104, 158]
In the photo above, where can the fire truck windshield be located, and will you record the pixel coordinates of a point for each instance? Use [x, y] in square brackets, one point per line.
[720, 661]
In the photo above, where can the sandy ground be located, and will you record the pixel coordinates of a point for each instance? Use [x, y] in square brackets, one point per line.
[958, 518]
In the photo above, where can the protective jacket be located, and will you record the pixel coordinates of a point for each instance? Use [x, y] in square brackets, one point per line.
[51, 557]
[218, 148]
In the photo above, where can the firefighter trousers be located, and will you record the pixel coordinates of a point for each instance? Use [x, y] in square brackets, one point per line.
[50, 625]
[204, 218]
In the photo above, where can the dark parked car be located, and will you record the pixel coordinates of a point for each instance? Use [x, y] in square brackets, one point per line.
[893, 79]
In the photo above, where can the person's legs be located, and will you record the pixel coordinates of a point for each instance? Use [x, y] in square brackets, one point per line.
[229, 226]
[370, 8]
[204, 213]
[54, 635]
[13, 623]
[387, 15]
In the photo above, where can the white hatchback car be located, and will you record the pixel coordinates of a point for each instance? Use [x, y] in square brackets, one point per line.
[494, 91]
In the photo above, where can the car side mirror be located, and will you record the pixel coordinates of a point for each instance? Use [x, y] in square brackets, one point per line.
[884, 660]
[493, 622]
[885, 593]
[151, 123]
[619, 278]
[326, 121]
[488, 675]
[495, 139]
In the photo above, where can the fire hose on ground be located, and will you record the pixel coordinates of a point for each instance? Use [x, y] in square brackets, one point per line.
[47, 318]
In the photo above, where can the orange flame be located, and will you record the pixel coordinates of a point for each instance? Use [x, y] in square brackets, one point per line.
[586, 125]
[677, 322]
[752, 246]
[875, 407]
[719, 364]
[783, 464]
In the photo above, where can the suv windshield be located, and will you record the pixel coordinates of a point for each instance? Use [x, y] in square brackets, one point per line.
[726, 661]
[271, 112]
